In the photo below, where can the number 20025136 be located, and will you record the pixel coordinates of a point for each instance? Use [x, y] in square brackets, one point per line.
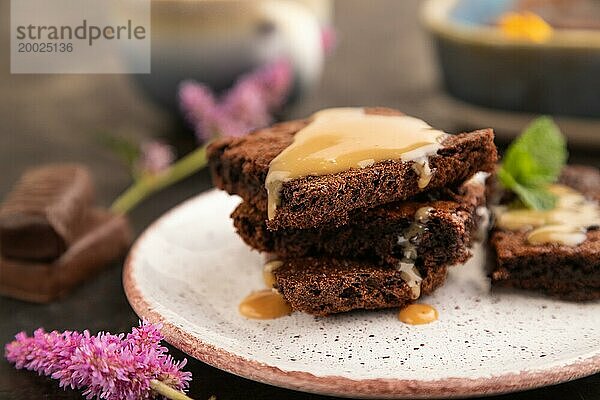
[44, 47]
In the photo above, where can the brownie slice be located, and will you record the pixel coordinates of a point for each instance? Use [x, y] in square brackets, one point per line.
[571, 273]
[378, 234]
[323, 286]
[240, 166]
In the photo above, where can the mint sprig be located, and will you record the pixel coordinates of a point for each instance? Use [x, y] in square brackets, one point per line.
[533, 161]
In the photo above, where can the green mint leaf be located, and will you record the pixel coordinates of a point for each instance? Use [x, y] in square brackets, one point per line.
[532, 197]
[538, 155]
[534, 160]
[506, 179]
[537, 198]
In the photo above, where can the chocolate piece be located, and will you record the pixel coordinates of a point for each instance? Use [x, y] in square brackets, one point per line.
[45, 213]
[240, 166]
[323, 286]
[106, 239]
[568, 272]
[375, 234]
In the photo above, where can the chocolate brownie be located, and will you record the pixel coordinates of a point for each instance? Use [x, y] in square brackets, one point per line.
[376, 234]
[323, 286]
[240, 166]
[568, 272]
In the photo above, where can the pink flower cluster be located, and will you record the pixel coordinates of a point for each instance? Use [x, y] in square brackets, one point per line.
[111, 367]
[155, 157]
[248, 105]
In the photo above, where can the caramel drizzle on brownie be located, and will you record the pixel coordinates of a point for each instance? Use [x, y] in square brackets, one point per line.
[268, 276]
[408, 242]
[340, 139]
[267, 303]
[565, 224]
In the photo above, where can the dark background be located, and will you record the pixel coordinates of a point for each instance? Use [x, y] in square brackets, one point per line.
[383, 58]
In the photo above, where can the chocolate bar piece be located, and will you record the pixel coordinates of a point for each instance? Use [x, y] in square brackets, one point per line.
[106, 238]
[46, 212]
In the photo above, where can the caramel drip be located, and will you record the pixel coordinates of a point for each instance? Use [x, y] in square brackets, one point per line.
[422, 168]
[340, 139]
[418, 314]
[264, 304]
[268, 276]
[565, 224]
[409, 241]
[410, 274]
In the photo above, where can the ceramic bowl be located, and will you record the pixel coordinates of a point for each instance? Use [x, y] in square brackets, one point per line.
[481, 65]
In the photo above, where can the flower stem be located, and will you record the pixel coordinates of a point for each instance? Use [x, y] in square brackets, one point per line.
[150, 184]
[167, 391]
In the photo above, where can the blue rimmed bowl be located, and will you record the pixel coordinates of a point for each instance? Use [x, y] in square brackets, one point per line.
[482, 66]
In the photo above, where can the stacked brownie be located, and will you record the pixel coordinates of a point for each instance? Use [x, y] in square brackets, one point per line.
[363, 238]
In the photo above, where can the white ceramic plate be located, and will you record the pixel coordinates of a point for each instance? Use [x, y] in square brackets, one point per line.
[190, 270]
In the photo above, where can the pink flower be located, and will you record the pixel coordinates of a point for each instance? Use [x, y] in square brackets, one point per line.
[248, 105]
[155, 157]
[111, 367]
[198, 105]
[44, 352]
[274, 81]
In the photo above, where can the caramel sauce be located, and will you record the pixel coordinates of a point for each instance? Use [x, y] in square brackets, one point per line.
[410, 274]
[564, 234]
[418, 314]
[339, 139]
[422, 215]
[264, 304]
[268, 269]
[565, 224]
[408, 241]
[422, 168]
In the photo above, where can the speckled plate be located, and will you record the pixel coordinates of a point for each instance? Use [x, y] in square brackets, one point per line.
[189, 271]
